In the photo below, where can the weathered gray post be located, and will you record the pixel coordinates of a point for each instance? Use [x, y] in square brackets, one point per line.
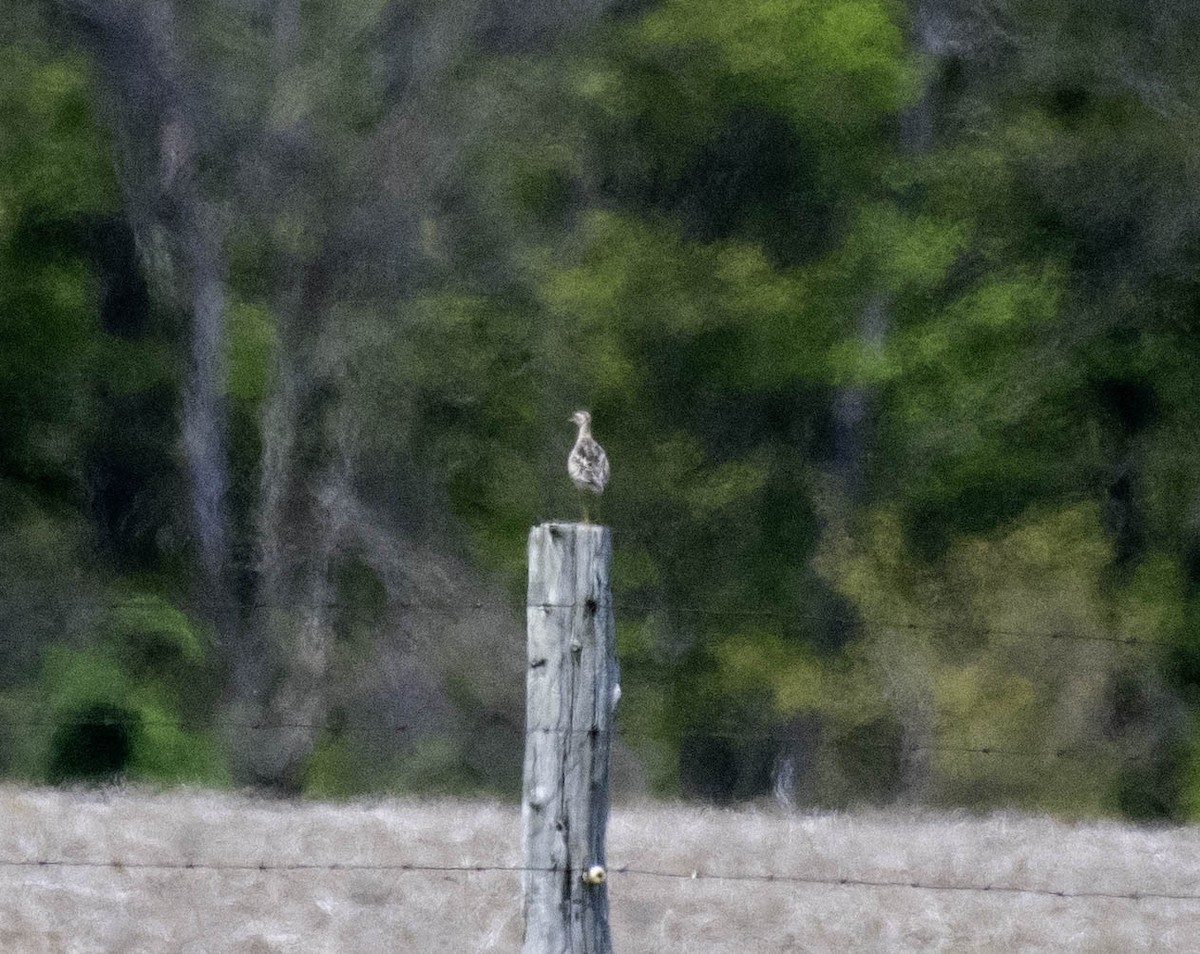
[571, 689]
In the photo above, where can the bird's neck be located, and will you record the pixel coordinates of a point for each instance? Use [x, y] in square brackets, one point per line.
[585, 430]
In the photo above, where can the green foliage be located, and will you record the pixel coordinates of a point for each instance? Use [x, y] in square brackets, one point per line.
[1188, 804]
[956, 637]
[838, 65]
[53, 155]
[102, 722]
[435, 764]
[690, 235]
[638, 288]
[151, 627]
[335, 770]
[54, 175]
[252, 344]
[893, 352]
[753, 661]
[108, 693]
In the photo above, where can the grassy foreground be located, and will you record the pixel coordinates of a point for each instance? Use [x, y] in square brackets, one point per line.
[129, 909]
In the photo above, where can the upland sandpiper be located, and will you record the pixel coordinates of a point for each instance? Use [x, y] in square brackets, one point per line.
[587, 464]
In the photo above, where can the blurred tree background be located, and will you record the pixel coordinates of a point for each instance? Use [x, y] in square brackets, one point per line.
[886, 314]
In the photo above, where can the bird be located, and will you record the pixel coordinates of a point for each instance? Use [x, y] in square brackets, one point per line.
[587, 464]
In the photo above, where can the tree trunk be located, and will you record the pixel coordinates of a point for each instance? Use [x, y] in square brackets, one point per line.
[153, 109]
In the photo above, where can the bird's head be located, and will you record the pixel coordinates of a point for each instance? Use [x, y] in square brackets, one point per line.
[581, 418]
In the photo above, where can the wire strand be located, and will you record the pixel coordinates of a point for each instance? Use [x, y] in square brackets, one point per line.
[1040, 758]
[695, 875]
[912, 884]
[458, 610]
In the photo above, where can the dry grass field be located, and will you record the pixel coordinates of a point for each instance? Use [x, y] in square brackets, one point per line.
[124, 910]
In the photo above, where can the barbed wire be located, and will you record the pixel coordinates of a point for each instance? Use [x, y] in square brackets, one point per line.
[1064, 753]
[458, 610]
[911, 884]
[770, 613]
[1083, 753]
[1109, 752]
[264, 866]
[693, 876]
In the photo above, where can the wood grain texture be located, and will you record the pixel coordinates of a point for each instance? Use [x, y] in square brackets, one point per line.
[571, 691]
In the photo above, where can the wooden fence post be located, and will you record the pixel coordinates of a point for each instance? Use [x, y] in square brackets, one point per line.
[571, 689]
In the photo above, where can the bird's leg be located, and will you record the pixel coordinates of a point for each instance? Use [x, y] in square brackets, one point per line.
[583, 504]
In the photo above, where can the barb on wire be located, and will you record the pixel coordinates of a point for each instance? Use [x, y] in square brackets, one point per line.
[695, 875]
[264, 866]
[911, 884]
[458, 609]
[1040, 756]
[767, 613]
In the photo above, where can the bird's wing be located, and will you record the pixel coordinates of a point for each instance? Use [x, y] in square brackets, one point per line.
[589, 464]
[601, 465]
[592, 456]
